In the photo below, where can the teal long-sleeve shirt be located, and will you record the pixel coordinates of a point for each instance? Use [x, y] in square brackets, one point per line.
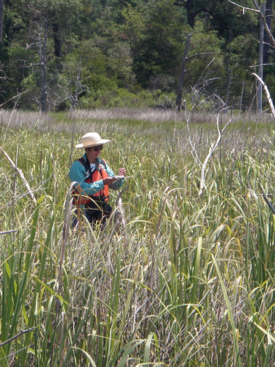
[78, 173]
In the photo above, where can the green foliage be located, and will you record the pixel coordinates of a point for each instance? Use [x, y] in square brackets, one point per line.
[159, 50]
[21, 76]
[88, 47]
[205, 59]
[115, 97]
[231, 21]
[134, 25]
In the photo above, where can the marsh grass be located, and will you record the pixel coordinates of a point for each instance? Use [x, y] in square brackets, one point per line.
[190, 282]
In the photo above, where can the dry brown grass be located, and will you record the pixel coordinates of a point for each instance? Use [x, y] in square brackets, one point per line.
[166, 128]
[158, 115]
[23, 119]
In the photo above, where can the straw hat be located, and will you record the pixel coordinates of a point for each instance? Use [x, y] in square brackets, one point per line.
[91, 140]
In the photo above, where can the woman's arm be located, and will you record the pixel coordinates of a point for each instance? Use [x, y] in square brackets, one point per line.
[78, 173]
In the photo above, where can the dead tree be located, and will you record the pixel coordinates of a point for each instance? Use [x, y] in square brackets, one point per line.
[43, 69]
[1, 19]
[265, 13]
[182, 72]
[268, 15]
[260, 69]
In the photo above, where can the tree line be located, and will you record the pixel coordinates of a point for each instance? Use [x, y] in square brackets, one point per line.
[58, 54]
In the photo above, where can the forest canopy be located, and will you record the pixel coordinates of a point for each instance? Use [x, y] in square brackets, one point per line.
[58, 54]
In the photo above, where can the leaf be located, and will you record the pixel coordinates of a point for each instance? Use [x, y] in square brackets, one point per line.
[147, 349]
[87, 355]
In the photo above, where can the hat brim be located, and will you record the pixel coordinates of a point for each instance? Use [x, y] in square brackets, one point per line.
[100, 142]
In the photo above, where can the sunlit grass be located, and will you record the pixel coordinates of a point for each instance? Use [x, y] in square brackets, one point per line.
[189, 282]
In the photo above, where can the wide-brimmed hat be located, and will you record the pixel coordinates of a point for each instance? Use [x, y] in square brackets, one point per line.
[91, 140]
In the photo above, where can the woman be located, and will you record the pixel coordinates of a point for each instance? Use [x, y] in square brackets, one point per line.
[94, 178]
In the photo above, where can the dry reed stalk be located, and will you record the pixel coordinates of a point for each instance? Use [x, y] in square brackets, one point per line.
[17, 336]
[65, 236]
[66, 226]
[120, 217]
[14, 190]
[20, 174]
[6, 232]
[267, 201]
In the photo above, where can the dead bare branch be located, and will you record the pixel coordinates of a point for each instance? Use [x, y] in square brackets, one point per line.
[243, 7]
[182, 72]
[20, 174]
[17, 336]
[267, 94]
[263, 18]
[18, 95]
[267, 201]
[6, 232]
[212, 149]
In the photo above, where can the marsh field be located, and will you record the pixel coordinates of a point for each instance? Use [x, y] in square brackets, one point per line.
[188, 280]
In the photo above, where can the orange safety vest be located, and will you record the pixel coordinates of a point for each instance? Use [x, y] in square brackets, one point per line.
[98, 174]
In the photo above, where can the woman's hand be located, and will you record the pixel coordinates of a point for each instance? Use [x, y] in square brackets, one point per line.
[109, 180]
[122, 171]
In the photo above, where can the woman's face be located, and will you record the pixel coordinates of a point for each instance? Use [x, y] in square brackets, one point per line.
[93, 153]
